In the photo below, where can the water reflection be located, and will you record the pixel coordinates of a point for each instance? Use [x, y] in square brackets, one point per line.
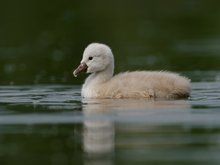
[98, 134]
[102, 123]
[127, 131]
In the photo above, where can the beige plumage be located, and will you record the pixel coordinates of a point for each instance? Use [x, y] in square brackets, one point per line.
[99, 61]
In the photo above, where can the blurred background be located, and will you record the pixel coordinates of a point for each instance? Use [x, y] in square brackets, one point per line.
[41, 42]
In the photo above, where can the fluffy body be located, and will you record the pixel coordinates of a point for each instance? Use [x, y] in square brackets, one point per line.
[137, 84]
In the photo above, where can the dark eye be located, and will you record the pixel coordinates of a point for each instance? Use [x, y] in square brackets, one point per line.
[90, 58]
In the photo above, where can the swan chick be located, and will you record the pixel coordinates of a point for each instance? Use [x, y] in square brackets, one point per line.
[98, 60]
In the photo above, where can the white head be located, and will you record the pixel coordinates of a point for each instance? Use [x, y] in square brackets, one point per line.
[96, 58]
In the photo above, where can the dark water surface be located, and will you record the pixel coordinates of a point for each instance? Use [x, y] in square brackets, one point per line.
[49, 124]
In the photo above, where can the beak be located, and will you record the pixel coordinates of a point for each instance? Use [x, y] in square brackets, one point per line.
[81, 68]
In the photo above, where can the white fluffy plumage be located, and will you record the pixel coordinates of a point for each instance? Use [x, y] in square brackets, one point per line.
[98, 60]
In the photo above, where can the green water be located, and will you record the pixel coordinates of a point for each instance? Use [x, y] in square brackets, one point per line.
[49, 124]
[44, 120]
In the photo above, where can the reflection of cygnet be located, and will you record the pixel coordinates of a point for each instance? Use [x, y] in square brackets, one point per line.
[98, 135]
[99, 61]
[100, 115]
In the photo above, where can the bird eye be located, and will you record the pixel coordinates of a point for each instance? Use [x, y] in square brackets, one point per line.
[90, 58]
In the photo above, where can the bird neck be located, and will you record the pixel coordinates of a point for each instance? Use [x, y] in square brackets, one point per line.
[102, 76]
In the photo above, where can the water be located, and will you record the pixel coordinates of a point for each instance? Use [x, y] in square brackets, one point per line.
[50, 124]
